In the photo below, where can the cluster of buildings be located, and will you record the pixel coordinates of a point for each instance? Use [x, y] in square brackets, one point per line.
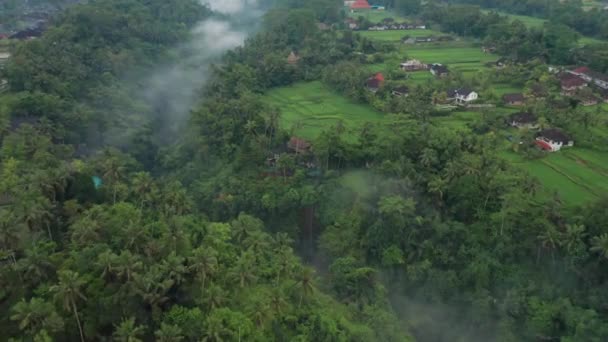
[387, 26]
[362, 5]
[572, 83]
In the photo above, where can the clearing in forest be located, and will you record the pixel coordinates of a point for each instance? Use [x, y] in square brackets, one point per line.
[309, 108]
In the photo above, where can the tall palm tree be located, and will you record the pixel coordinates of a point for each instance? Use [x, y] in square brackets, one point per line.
[68, 291]
[168, 333]
[143, 187]
[36, 315]
[600, 245]
[214, 297]
[36, 212]
[243, 272]
[127, 331]
[305, 281]
[175, 267]
[114, 170]
[36, 265]
[203, 263]
[549, 240]
[127, 265]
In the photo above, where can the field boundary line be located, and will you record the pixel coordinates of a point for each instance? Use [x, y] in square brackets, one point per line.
[556, 169]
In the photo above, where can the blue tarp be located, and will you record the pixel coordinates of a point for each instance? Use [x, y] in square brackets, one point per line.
[97, 182]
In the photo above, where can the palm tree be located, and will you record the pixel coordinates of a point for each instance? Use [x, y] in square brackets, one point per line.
[113, 170]
[203, 262]
[600, 245]
[175, 267]
[257, 242]
[36, 265]
[278, 302]
[143, 187]
[68, 291]
[85, 232]
[243, 270]
[213, 297]
[127, 265]
[305, 281]
[215, 331]
[168, 333]
[36, 315]
[35, 211]
[549, 240]
[127, 331]
[573, 237]
[106, 262]
[153, 287]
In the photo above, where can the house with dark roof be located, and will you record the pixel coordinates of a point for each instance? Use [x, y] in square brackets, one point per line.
[401, 91]
[462, 95]
[516, 99]
[571, 83]
[598, 78]
[553, 140]
[439, 70]
[523, 120]
[587, 99]
[375, 82]
[537, 90]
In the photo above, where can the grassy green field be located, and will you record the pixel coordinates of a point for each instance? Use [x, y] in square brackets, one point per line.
[396, 35]
[309, 108]
[577, 175]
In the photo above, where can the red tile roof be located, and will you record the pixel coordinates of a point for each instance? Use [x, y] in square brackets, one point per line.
[581, 70]
[361, 4]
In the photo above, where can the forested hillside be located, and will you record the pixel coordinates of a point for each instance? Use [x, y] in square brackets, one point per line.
[229, 227]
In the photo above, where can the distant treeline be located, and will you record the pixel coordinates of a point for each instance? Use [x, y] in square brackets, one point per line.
[569, 13]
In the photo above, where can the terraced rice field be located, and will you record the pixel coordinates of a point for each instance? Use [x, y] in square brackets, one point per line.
[307, 109]
[577, 175]
[397, 35]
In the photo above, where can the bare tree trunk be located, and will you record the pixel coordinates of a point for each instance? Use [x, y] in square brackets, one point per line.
[78, 321]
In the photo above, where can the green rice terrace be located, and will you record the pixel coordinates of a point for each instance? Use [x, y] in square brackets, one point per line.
[309, 108]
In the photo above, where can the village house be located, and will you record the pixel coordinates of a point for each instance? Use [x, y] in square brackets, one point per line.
[587, 99]
[538, 91]
[523, 120]
[413, 65]
[348, 3]
[425, 39]
[293, 58]
[401, 91]
[462, 95]
[571, 83]
[375, 82]
[351, 23]
[516, 99]
[488, 49]
[299, 146]
[439, 70]
[408, 40]
[360, 5]
[599, 79]
[553, 140]
[500, 63]
[323, 27]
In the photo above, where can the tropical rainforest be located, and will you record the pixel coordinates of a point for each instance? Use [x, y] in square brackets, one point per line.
[121, 220]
